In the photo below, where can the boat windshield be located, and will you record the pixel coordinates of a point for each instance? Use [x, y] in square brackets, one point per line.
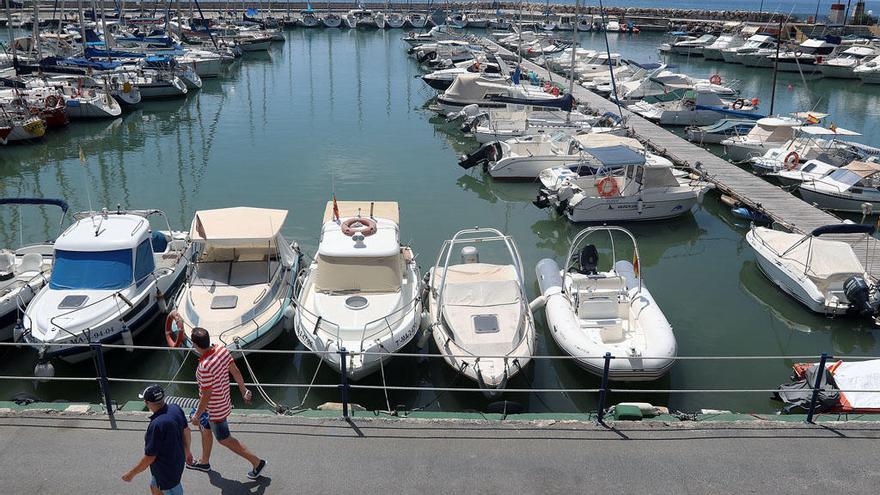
[846, 177]
[359, 274]
[97, 270]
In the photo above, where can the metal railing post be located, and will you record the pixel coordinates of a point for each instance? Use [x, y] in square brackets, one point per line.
[103, 383]
[603, 390]
[343, 385]
[819, 374]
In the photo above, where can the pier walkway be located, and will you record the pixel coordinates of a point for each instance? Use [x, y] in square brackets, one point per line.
[784, 208]
[69, 453]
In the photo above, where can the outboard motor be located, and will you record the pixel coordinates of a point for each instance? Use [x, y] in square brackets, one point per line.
[588, 260]
[858, 293]
[543, 199]
[426, 56]
[488, 152]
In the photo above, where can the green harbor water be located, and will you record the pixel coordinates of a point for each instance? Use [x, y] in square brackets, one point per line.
[338, 110]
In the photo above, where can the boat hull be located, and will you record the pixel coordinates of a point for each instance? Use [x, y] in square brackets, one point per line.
[631, 209]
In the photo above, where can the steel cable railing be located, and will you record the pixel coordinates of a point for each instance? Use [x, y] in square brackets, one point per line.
[104, 380]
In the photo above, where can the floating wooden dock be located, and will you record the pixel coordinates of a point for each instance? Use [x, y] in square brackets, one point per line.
[786, 209]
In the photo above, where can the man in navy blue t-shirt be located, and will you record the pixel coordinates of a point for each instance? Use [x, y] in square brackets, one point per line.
[166, 444]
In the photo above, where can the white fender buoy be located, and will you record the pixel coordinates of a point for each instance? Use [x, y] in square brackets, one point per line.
[127, 339]
[288, 317]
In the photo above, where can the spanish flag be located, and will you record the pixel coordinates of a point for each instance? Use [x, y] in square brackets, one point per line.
[335, 208]
[812, 119]
[833, 127]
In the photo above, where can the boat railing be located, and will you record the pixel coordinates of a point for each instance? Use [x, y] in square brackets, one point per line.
[103, 378]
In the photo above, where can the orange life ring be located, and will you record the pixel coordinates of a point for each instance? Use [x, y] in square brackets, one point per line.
[715, 79]
[791, 160]
[607, 187]
[755, 102]
[172, 319]
[738, 104]
[359, 225]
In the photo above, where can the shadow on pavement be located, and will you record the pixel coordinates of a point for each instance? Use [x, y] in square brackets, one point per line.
[232, 487]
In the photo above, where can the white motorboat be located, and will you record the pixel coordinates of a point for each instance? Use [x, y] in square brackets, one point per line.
[240, 283]
[843, 66]
[644, 192]
[474, 89]
[812, 142]
[825, 275]
[713, 50]
[394, 20]
[853, 188]
[331, 20]
[719, 131]
[700, 106]
[458, 20]
[591, 312]
[23, 271]
[806, 57]
[416, 20]
[110, 275]
[362, 293]
[767, 133]
[693, 47]
[500, 23]
[309, 18]
[526, 157]
[600, 67]
[379, 19]
[802, 172]
[869, 72]
[205, 63]
[672, 38]
[361, 18]
[612, 26]
[157, 84]
[478, 311]
[735, 54]
[443, 78]
[501, 125]
[437, 33]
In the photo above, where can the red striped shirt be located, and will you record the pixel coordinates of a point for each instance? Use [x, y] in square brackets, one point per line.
[213, 375]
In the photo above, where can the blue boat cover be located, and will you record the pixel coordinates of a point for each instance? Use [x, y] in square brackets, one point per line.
[35, 201]
[104, 270]
[844, 228]
[566, 102]
[737, 113]
[79, 62]
[616, 156]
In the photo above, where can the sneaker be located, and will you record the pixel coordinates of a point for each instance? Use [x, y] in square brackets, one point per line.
[257, 470]
[199, 467]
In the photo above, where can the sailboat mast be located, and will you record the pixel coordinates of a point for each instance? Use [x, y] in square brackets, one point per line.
[574, 44]
[82, 25]
[775, 67]
[36, 30]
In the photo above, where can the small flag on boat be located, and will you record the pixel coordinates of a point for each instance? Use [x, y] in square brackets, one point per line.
[335, 209]
[812, 119]
[82, 156]
[833, 127]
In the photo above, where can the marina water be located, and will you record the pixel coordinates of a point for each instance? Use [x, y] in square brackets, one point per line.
[339, 110]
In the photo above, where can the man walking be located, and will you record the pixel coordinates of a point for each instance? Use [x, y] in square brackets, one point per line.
[166, 444]
[215, 403]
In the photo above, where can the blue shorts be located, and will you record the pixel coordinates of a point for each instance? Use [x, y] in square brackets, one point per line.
[220, 429]
[177, 490]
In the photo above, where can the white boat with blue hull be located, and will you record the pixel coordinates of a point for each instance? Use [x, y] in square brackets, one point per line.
[592, 313]
[23, 271]
[362, 292]
[241, 281]
[110, 276]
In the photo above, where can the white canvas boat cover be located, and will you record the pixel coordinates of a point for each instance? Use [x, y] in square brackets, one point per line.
[474, 87]
[858, 375]
[827, 263]
[815, 130]
[604, 139]
[359, 274]
[237, 224]
[380, 209]
[863, 51]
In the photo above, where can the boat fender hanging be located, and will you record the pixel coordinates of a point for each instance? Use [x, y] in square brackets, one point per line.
[791, 160]
[174, 319]
[738, 104]
[127, 338]
[288, 318]
[358, 225]
[160, 300]
[607, 187]
[755, 102]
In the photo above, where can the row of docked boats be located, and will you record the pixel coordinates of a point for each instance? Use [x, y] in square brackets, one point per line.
[360, 299]
[97, 69]
[820, 271]
[825, 56]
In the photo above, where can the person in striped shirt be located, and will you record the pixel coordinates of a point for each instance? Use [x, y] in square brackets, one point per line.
[215, 403]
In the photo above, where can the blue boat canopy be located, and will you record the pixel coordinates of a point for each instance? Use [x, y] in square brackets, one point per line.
[844, 228]
[616, 156]
[35, 201]
[566, 102]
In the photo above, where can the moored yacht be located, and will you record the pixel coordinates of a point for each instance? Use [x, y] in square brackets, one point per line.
[362, 292]
[843, 66]
[241, 280]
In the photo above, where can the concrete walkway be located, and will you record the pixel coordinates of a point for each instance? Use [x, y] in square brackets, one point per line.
[60, 453]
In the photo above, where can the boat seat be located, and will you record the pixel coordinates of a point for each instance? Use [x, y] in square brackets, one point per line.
[31, 264]
[592, 307]
[613, 333]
